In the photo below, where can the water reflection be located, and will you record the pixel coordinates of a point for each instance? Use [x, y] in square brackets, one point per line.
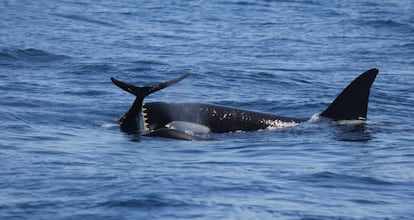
[352, 133]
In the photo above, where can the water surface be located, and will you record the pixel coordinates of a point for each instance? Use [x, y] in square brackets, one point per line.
[62, 155]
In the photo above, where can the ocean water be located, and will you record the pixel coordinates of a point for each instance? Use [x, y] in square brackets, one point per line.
[62, 155]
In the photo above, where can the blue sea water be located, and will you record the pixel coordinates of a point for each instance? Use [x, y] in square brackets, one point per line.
[62, 155]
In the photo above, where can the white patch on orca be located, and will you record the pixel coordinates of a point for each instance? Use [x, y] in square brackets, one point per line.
[141, 123]
[188, 127]
[278, 124]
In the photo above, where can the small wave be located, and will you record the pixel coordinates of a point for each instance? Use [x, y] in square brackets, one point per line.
[145, 65]
[32, 204]
[30, 54]
[62, 163]
[343, 178]
[367, 202]
[91, 68]
[149, 202]
[4, 55]
[389, 23]
[246, 3]
[150, 62]
[135, 203]
[405, 45]
[87, 92]
[45, 152]
[86, 19]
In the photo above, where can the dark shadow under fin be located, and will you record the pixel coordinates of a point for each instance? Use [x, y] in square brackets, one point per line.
[352, 103]
[175, 134]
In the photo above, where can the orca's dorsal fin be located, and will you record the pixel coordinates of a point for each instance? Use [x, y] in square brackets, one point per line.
[352, 103]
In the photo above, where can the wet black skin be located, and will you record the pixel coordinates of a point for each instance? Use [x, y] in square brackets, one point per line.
[350, 104]
[219, 119]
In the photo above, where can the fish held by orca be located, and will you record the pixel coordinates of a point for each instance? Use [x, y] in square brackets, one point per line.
[190, 121]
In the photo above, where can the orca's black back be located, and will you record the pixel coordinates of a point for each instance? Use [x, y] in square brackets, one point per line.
[218, 118]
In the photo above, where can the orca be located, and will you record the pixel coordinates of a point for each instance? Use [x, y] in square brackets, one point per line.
[186, 121]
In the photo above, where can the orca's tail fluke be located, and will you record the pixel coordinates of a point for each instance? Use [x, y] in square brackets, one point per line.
[133, 120]
[352, 103]
[143, 92]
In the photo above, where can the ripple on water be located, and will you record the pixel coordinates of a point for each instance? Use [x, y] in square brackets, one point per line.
[331, 179]
[62, 155]
[31, 55]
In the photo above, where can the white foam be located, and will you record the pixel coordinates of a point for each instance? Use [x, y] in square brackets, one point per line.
[109, 125]
[314, 118]
[351, 122]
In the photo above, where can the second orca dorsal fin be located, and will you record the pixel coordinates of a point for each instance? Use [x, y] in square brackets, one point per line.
[352, 103]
